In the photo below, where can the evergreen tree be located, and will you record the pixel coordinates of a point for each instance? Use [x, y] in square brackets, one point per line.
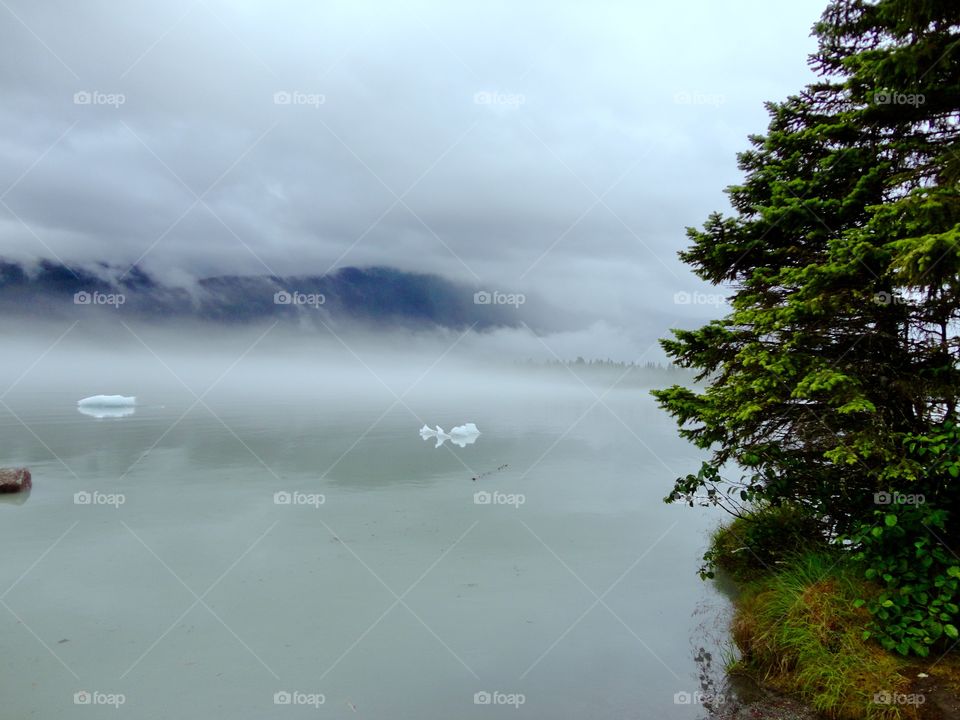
[836, 374]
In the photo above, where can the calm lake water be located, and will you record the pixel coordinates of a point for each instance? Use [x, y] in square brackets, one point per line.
[155, 563]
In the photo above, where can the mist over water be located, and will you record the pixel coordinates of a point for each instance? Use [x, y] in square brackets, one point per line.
[268, 520]
[297, 233]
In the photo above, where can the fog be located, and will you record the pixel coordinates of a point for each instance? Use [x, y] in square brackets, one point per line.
[556, 149]
[265, 523]
[157, 363]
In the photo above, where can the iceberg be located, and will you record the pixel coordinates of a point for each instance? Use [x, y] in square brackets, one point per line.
[464, 440]
[461, 435]
[465, 430]
[108, 401]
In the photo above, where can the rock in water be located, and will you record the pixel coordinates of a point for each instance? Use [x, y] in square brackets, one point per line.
[14, 480]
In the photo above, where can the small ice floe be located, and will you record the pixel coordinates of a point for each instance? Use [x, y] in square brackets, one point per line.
[107, 406]
[464, 430]
[463, 440]
[461, 435]
[108, 401]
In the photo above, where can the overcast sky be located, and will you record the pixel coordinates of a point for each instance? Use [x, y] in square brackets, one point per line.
[554, 148]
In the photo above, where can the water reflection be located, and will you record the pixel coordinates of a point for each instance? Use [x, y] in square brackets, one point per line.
[18, 498]
[722, 695]
[101, 412]
[206, 478]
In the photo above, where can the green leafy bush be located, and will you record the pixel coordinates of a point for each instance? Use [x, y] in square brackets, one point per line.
[758, 541]
[901, 552]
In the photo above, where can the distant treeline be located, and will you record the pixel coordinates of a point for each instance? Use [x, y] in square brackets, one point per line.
[599, 364]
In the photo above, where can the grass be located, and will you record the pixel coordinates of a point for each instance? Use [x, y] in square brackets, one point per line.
[753, 546]
[799, 630]
[796, 625]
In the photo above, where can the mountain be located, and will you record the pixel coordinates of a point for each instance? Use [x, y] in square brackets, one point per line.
[369, 296]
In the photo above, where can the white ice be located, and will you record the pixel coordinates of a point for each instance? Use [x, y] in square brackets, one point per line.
[465, 430]
[461, 435]
[464, 440]
[105, 401]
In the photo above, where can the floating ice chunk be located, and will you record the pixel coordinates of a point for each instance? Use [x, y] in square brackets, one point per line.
[464, 440]
[464, 430]
[461, 435]
[103, 401]
[441, 436]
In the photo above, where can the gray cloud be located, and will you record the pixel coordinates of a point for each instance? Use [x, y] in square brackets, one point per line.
[468, 139]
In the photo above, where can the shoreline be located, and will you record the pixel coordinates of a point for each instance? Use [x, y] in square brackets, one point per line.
[801, 650]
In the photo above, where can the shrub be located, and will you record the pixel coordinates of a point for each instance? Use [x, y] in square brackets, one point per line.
[920, 582]
[801, 629]
[760, 540]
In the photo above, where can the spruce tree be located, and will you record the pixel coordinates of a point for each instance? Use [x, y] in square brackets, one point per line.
[835, 375]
